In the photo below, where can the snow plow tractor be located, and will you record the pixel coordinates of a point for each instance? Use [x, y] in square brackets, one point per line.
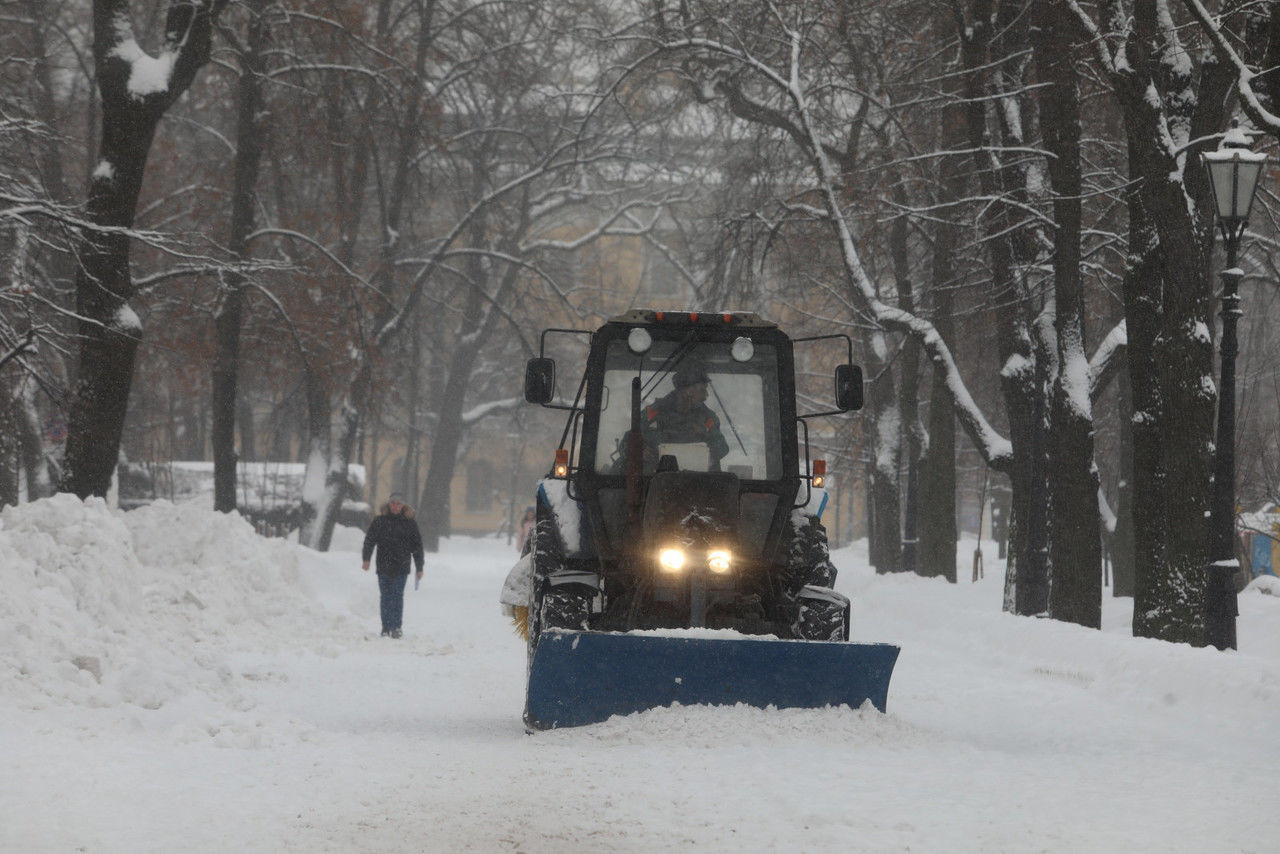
[679, 554]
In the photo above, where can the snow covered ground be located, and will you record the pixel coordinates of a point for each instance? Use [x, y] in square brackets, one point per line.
[171, 682]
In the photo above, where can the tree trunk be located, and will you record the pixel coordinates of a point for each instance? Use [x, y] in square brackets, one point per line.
[938, 530]
[434, 505]
[10, 445]
[109, 330]
[1021, 373]
[335, 482]
[886, 454]
[319, 441]
[1122, 541]
[1168, 312]
[1075, 537]
[909, 398]
[35, 466]
[228, 317]
[412, 445]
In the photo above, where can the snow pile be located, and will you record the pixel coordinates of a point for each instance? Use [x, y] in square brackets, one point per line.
[1267, 585]
[103, 608]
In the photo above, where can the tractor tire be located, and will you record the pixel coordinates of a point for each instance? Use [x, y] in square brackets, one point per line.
[548, 559]
[822, 615]
[809, 560]
[819, 612]
[566, 606]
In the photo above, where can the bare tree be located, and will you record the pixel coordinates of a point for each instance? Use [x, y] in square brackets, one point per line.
[1171, 106]
[1075, 537]
[228, 316]
[136, 89]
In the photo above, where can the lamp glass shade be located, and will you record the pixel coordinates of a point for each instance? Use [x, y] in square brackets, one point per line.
[1233, 174]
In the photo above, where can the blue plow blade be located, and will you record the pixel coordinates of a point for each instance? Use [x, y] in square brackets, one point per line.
[582, 678]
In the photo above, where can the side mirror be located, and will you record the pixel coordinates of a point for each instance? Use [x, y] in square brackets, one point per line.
[848, 388]
[540, 380]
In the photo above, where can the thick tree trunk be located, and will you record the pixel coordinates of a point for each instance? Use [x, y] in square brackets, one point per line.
[1075, 538]
[228, 317]
[1168, 311]
[109, 330]
[434, 516]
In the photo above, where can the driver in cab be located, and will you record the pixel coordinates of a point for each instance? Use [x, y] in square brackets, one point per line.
[683, 417]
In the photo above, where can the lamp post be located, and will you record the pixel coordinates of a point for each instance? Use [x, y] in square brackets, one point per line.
[1233, 176]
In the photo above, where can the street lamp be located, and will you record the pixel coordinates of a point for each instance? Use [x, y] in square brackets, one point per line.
[1233, 176]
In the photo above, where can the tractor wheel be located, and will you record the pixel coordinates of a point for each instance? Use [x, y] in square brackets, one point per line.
[548, 559]
[822, 615]
[809, 560]
[566, 606]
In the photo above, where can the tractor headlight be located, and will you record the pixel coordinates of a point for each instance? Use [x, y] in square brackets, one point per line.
[672, 560]
[719, 561]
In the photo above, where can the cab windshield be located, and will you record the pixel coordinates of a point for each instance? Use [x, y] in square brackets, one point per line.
[732, 426]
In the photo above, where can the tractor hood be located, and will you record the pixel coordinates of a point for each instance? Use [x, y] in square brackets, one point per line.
[693, 509]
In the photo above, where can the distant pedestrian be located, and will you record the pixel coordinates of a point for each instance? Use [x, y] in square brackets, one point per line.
[526, 528]
[397, 539]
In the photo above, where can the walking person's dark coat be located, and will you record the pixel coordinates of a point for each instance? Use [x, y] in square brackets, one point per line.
[395, 536]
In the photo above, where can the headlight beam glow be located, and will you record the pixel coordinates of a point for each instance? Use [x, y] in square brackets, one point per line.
[672, 560]
[719, 561]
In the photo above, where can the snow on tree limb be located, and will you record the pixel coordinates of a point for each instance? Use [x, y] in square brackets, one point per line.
[140, 76]
[996, 450]
[1106, 359]
[26, 345]
[1253, 108]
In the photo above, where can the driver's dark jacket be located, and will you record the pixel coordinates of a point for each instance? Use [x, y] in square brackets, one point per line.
[664, 421]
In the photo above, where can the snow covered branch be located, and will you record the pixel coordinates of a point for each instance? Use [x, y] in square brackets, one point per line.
[995, 449]
[1107, 359]
[26, 345]
[1249, 101]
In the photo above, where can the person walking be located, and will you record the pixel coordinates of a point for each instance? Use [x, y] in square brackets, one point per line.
[396, 537]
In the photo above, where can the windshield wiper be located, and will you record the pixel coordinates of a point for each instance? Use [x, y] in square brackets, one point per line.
[682, 349]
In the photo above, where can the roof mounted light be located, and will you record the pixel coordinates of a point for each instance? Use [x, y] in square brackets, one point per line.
[639, 340]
